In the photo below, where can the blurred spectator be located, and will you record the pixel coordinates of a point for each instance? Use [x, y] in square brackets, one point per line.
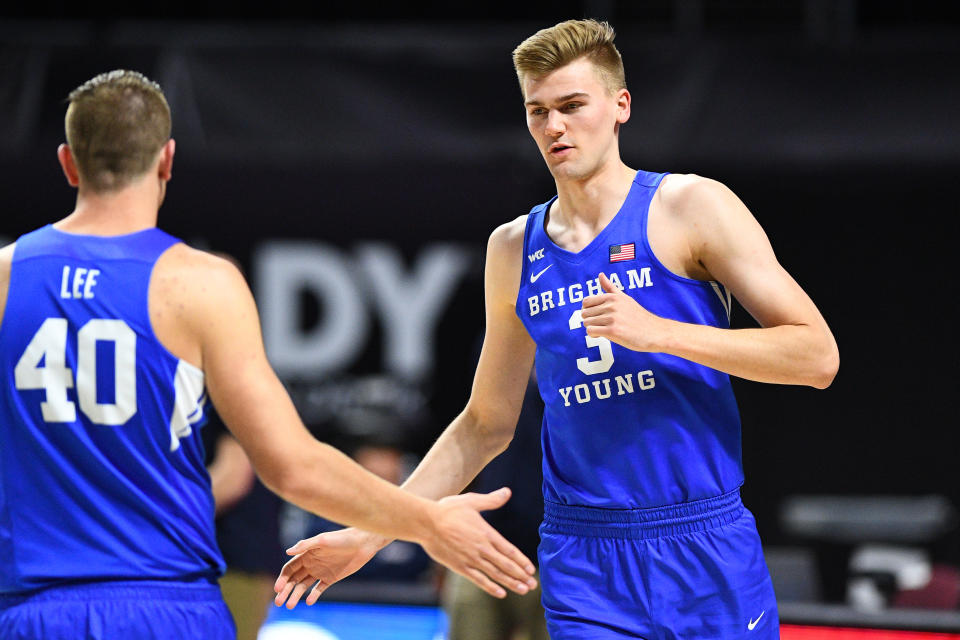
[231, 474]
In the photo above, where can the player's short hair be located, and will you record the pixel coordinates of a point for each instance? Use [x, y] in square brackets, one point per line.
[557, 46]
[116, 124]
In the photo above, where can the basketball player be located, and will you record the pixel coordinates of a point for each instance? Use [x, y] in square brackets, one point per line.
[619, 288]
[111, 331]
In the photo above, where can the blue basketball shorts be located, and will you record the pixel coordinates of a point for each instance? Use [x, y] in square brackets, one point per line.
[145, 610]
[690, 571]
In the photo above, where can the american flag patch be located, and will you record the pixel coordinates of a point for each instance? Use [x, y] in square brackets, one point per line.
[621, 252]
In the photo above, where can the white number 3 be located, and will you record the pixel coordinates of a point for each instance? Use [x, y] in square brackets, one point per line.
[49, 344]
[591, 367]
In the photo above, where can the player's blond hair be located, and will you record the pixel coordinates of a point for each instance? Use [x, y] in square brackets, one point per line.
[557, 46]
[116, 124]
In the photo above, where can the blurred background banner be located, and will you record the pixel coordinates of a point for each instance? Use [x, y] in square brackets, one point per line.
[356, 164]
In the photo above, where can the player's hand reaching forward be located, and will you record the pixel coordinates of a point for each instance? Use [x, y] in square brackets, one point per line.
[323, 560]
[619, 318]
[471, 547]
[461, 540]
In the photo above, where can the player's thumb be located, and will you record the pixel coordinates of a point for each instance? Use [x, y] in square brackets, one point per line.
[607, 285]
[300, 547]
[296, 549]
[492, 500]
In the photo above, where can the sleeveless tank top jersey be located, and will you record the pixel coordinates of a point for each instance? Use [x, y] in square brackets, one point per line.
[101, 474]
[624, 429]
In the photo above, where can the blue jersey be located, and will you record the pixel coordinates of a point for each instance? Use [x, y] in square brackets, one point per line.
[101, 473]
[624, 429]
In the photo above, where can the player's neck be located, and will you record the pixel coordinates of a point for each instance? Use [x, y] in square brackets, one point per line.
[133, 208]
[595, 199]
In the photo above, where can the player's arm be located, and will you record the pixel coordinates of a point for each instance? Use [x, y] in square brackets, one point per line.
[487, 424]
[212, 300]
[6, 262]
[794, 344]
[478, 434]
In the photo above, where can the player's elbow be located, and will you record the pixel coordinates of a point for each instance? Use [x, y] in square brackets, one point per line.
[494, 429]
[501, 443]
[278, 481]
[826, 368]
[497, 437]
[288, 477]
[293, 485]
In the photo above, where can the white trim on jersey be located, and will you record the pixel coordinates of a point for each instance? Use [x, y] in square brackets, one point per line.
[724, 294]
[188, 403]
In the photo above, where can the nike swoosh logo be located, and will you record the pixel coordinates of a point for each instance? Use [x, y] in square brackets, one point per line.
[753, 623]
[535, 276]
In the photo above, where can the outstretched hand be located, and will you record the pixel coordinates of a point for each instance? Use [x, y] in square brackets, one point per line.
[467, 544]
[616, 316]
[321, 561]
[461, 539]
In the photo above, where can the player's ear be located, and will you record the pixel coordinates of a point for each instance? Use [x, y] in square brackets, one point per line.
[623, 105]
[70, 172]
[165, 168]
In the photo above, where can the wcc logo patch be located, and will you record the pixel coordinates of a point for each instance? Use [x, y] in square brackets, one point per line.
[622, 252]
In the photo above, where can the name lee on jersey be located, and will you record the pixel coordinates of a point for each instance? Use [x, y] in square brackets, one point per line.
[83, 282]
[574, 293]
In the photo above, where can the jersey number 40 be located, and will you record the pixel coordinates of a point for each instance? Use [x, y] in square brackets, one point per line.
[49, 346]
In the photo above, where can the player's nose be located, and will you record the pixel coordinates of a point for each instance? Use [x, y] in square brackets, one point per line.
[555, 126]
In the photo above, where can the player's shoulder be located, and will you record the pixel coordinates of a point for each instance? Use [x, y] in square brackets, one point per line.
[700, 205]
[6, 254]
[686, 192]
[183, 259]
[185, 272]
[6, 263]
[508, 237]
[192, 293]
[504, 260]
